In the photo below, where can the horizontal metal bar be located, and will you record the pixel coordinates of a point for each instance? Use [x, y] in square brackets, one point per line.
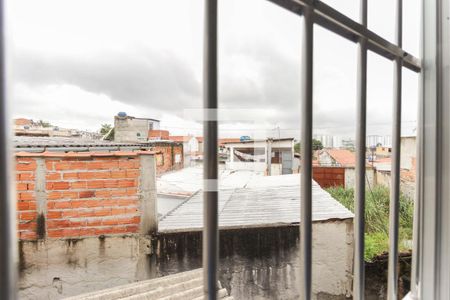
[333, 20]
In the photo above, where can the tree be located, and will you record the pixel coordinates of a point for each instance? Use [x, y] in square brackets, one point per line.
[316, 145]
[105, 129]
[43, 123]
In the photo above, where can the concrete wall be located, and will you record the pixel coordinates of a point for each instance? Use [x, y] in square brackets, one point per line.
[350, 177]
[408, 152]
[264, 263]
[129, 129]
[72, 195]
[55, 269]
[408, 188]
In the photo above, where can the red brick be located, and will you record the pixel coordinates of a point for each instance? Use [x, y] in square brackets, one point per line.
[60, 185]
[27, 226]
[78, 203]
[78, 185]
[62, 204]
[70, 175]
[78, 165]
[132, 229]
[102, 212]
[126, 202]
[55, 233]
[70, 213]
[21, 187]
[107, 202]
[118, 193]
[26, 176]
[28, 235]
[130, 220]
[54, 195]
[53, 176]
[118, 211]
[108, 222]
[55, 224]
[26, 196]
[87, 194]
[54, 214]
[60, 166]
[131, 192]
[103, 193]
[110, 183]
[127, 183]
[119, 174]
[28, 216]
[95, 184]
[128, 164]
[87, 232]
[25, 166]
[23, 205]
[94, 222]
[133, 173]
[81, 223]
[69, 195]
[71, 232]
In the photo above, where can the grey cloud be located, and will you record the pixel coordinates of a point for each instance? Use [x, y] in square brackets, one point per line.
[143, 78]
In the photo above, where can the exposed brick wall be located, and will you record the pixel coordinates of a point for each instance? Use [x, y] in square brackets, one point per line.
[167, 156]
[81, 194]
[26, 198]
[329, 176]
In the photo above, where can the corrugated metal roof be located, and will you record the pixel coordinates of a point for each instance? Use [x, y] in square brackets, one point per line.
[264, 202]
[40, 144]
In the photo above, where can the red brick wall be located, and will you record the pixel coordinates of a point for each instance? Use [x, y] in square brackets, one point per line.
[84, 194]
[26, 198]
[164, 161]
[329, 176]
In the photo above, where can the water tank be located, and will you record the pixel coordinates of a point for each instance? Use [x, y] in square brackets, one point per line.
[122, 114]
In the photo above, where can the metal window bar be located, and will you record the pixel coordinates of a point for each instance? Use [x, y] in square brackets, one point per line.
[306, 154]
[8, 240]
[210, 185]
[395, 164]
[360, 174]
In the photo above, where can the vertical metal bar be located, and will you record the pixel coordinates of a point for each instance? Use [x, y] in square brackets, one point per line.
[417, 241]
[306, 153]
[395, 167]
[7, 202]
[210, 185]
[360, 186]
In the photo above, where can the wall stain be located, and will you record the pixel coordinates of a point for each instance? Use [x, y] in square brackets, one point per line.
[40, 229]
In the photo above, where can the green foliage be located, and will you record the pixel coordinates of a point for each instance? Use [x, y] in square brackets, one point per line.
[377, 217]
[43, 123]
[317, 145]
[105, 129]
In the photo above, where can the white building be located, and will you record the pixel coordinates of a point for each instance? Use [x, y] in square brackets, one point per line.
[254, 155]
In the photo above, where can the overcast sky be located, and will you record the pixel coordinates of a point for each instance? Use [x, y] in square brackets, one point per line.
[76, 63]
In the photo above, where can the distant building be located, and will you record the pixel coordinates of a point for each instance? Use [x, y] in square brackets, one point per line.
[336, 158]
[132, 129]
[271, 156]
[190, 148]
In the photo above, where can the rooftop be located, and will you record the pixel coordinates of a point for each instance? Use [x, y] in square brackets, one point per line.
[342, 156]
[40, 144]
[257, 201]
